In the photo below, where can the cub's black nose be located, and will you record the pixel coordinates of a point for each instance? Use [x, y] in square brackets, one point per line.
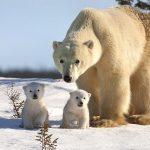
[80, 104]
[67, 78]
[35, 96]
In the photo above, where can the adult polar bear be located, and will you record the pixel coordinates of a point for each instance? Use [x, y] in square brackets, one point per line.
[107, 53]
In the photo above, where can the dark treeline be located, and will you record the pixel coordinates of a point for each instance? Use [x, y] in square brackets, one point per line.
[29, 73]
[142, 4]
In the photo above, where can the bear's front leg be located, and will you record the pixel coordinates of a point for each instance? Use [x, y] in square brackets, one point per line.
[115, 94]
[27, 122]
[83, 123]
[40, 119]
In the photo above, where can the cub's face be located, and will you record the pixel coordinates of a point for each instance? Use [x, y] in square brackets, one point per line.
[73, 59]
[80, 98]
[34, 91]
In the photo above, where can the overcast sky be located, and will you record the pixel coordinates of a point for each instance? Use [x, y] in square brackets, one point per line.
[28, 27]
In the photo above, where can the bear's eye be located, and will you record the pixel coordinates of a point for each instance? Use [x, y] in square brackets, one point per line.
[61, 61]
[77, 61]
[30, 91]
[38, 90]
[77, 97]
[83, 97]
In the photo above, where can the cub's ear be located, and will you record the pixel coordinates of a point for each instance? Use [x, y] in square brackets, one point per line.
[56, 44]
[24, 88]
[89, 94]
[42, 85]
[89, 44]
[71, 93]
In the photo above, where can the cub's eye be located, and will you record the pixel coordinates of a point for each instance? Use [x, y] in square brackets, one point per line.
[38, 90]
[30, 91]
[77, 61]
[77, 97]
[61, 61]
[83, 97]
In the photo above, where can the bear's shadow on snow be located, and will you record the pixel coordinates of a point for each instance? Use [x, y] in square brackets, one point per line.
[55, 122]
[11, 123]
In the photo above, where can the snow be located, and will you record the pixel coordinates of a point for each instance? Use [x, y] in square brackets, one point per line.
[12, 137]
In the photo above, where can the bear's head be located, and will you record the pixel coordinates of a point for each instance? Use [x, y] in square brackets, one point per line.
[80, 98]
[34, 91]
[73, 58]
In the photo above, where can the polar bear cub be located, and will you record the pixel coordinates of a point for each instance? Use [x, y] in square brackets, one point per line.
[34, 113]
[76, 112]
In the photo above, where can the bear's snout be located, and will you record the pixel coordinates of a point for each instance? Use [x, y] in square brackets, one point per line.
[80, 104]
[35, 96]
[67, 78]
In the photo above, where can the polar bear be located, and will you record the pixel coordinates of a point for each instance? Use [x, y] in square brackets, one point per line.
[76, 112]
[34, 113]
[107, 53]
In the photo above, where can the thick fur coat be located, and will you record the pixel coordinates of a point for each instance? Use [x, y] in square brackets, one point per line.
[107, 53]
[76, 112]
[34, 113]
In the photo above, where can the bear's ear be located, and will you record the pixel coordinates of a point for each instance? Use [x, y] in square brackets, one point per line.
[89, 44]
[56, 44]
[89, 94]
[24, 88]
[42, 85]
[71, 93]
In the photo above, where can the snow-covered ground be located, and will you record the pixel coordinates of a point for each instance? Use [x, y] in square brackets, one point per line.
[129, 137]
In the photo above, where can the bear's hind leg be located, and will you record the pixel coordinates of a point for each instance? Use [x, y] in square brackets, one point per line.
[140, 88]
[139, 119]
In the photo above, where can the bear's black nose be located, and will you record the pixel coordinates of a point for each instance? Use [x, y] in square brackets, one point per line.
[67, 78]
[80, 104]
[35, 96]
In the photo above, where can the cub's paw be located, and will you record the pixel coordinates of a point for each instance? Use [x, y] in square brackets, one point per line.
[28, 127]
[37, 125]
[63, 126]
[139, 119]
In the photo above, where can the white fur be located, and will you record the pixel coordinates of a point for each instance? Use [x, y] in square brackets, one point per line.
[75, 116]
[34, 113]
[115, 68]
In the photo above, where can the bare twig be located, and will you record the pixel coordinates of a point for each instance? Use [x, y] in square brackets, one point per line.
[46, 139]
[14, 95]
